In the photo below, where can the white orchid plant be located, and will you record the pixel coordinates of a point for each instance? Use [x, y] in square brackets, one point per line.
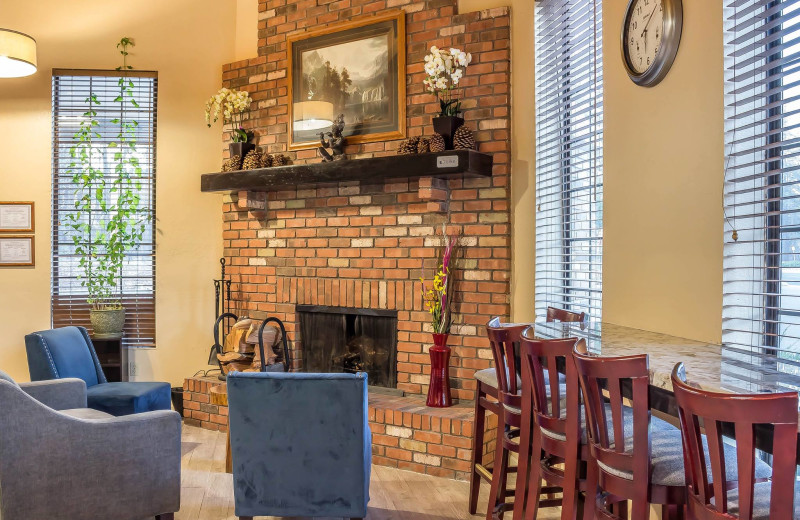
[445, 68]
[233, 105]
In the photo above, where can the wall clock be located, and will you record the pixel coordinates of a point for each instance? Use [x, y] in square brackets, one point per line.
[651, 34]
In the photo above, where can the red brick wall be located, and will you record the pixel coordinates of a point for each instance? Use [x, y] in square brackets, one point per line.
[367, 245]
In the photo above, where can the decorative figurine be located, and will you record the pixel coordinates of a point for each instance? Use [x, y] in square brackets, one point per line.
[335, 141]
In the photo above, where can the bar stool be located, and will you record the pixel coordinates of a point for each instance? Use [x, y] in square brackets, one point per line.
[565, 316]
[638, 457]
[502, 339]
[553, 447]
[710, 490]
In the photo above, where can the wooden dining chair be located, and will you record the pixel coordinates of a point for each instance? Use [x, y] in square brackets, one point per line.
[502, 338]
[565, 316]
[553, 448]
[711, 493]
[638, 456]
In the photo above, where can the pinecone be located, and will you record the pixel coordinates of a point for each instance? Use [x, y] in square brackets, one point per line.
[252, 160]
[463, 139]
[423, 146]
[233, 164]
[279, 160]
[266, 160]
[436, 143]
[409, 146]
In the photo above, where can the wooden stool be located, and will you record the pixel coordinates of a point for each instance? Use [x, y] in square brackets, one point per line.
[637, 456]
[775, 500]
[554, 449]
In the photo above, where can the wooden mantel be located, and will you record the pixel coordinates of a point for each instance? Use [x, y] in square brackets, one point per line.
[437, 165]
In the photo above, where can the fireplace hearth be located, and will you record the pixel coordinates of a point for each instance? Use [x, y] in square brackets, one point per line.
[342, 339]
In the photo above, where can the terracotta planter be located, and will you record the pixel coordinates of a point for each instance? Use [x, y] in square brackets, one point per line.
[446, 126]
[107, 323]
[439, 388]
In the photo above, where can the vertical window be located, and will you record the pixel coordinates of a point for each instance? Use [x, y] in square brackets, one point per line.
[569, 156]
[76, 95]
[761, 301]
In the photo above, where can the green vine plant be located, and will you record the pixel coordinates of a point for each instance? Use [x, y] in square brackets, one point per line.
[109, 220]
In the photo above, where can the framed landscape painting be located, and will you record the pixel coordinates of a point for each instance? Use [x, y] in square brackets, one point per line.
[356, 68]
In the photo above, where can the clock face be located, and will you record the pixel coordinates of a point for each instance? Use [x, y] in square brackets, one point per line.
[643, 33]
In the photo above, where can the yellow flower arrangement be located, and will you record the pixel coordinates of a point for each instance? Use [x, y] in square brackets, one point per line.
[438, 299]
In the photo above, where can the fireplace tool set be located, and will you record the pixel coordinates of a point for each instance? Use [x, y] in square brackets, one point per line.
[223, 327]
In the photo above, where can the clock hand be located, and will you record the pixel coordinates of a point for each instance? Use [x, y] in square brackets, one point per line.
[648, 20]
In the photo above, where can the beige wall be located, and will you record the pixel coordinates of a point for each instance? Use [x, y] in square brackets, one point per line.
[246, 30]
[522, 151]
[663, 178]
[186, 42]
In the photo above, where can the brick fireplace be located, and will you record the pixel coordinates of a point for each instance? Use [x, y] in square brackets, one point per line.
[365, 245]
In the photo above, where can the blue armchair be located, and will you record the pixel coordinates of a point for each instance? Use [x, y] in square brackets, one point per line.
[301, 444]
[68, 352]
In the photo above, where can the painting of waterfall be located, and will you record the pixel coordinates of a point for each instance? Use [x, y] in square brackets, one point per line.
[356, 68]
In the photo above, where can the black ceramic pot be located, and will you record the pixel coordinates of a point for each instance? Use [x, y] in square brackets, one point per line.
[240, 149]
[446, 126]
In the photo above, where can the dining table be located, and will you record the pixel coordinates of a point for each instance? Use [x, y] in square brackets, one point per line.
[709, 366]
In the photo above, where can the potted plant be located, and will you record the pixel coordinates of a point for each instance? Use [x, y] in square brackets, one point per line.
[233, 105]
[109, 219]
[445, 68]
[438, 302]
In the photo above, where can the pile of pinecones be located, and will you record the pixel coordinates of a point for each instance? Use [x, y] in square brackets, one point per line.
[253, 160]
[462, 140]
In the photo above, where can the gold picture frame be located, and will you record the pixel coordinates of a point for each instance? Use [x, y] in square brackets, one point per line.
[378, 76]
[17, 251]
[17, 217]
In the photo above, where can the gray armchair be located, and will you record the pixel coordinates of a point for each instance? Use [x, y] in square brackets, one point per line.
[62, 461]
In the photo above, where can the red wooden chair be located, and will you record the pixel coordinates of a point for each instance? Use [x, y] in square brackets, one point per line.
[554, 314]
[552, 449]
[638, 457]
[502, 338]
[711, 492]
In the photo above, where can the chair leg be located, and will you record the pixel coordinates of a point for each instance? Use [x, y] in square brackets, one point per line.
[477, 451]
[166, 516]
[245, 518]
[534, 478]
[590, 503]
[569, 504]
[524, 460]
[499, 471]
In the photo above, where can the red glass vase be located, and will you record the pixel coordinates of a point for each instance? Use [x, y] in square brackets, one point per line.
[439, 388]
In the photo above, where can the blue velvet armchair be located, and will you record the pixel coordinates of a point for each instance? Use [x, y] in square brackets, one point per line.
[68, 352]
[301, 444]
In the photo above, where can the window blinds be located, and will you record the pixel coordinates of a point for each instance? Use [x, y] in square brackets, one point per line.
[71, 91]
[761, 275]
[569, 156]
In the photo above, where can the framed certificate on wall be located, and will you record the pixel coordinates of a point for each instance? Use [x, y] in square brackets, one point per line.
[17, 251]
[16, 217]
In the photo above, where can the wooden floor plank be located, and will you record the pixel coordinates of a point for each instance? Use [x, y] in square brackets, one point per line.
[207, 491]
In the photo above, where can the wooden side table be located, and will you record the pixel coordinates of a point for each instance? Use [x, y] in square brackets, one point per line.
[219, 396]
[113, 357]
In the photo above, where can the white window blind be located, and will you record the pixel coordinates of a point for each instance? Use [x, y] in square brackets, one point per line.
[72, 90]
[761, 302]
[569, 156]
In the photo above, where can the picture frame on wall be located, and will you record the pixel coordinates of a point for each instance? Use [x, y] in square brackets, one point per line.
[16, 217]
[17, 251]
[356, 68]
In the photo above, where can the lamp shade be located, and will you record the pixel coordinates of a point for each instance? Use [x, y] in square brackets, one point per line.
[17, 54]
[312, 115]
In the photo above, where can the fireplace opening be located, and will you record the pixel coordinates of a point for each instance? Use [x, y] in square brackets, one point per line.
[341, 339]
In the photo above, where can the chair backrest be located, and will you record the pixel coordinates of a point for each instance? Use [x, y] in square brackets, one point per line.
[701, 410]
[614, 452]
[300, 442]
[557, 411]
[563, 315]
[63, 352]
[504, 340]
